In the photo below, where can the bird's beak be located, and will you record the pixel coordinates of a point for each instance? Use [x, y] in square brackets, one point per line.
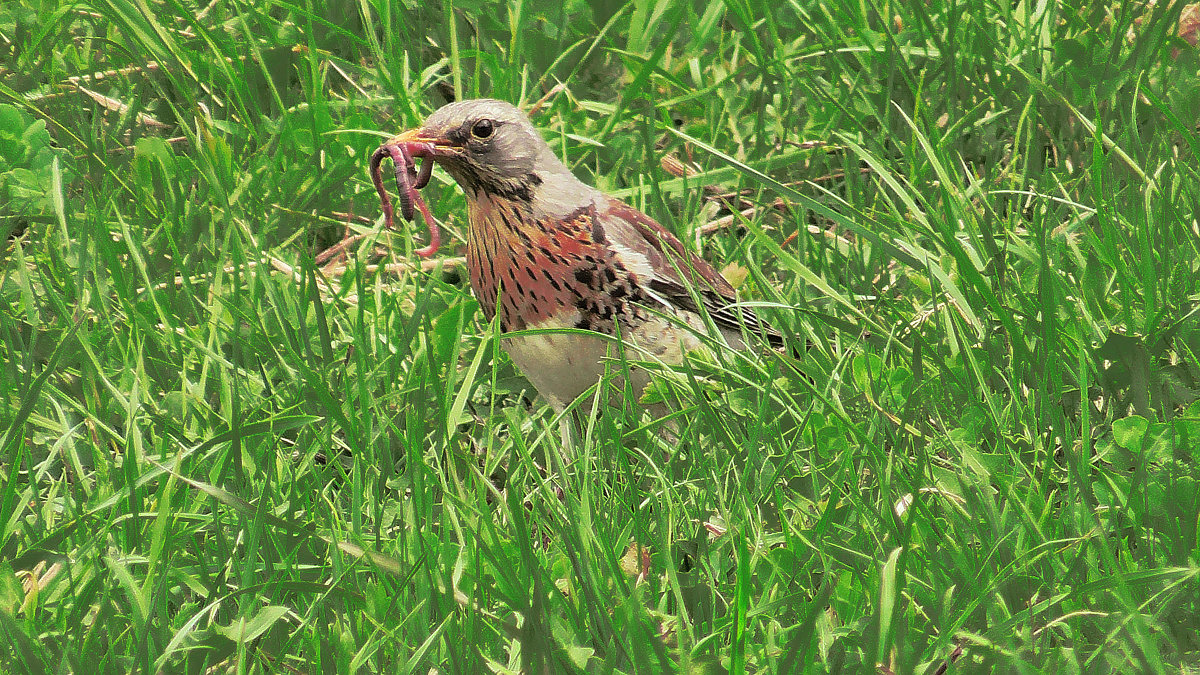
[420, 143]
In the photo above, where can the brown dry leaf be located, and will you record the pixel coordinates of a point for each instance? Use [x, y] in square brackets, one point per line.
[1189, 24]
[674, 166]
[112, 104]
[716, 527]
[636, 562]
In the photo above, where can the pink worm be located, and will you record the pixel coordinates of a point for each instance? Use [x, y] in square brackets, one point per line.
[408, 181]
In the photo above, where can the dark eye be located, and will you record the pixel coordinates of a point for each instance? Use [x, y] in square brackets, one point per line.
[483, 129]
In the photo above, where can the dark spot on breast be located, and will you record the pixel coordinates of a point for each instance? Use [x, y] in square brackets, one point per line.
[533, 179]
[617, 292]
[610, 275]
[598, 233]
[508, 188]
[584, 276]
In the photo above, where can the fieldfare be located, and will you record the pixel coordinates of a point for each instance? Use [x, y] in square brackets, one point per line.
[547, 251]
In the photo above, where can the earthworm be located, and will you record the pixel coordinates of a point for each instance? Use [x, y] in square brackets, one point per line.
[408, 182]
[423, 176]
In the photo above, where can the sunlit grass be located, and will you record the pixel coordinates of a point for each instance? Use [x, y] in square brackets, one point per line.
[220, 457]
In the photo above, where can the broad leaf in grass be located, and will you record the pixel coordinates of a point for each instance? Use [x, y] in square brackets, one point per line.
[26, 158]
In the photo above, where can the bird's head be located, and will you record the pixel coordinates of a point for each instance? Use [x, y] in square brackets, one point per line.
[490, 148]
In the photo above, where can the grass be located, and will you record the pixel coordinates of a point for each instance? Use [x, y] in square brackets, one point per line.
[218, 457]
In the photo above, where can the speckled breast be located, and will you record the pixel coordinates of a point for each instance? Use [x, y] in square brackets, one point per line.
[531, 270]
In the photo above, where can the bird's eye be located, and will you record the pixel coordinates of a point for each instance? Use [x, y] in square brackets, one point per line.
[483, 129]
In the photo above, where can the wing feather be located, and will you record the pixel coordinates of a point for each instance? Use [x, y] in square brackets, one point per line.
[667, 269]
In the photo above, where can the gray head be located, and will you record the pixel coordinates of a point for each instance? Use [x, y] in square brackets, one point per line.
[490, 147]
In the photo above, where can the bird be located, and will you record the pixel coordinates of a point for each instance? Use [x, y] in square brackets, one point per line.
[545, 250]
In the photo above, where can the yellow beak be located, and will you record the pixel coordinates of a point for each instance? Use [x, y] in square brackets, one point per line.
[420, 143]
[412, 136]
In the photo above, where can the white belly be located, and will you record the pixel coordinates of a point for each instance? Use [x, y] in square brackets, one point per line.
[563, 365]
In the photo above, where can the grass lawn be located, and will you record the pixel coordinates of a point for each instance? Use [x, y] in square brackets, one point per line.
[220, 457]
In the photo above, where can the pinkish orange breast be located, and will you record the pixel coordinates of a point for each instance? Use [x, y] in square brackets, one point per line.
[529, 270]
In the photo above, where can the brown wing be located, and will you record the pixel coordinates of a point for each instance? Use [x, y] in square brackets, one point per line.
[659, 259]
